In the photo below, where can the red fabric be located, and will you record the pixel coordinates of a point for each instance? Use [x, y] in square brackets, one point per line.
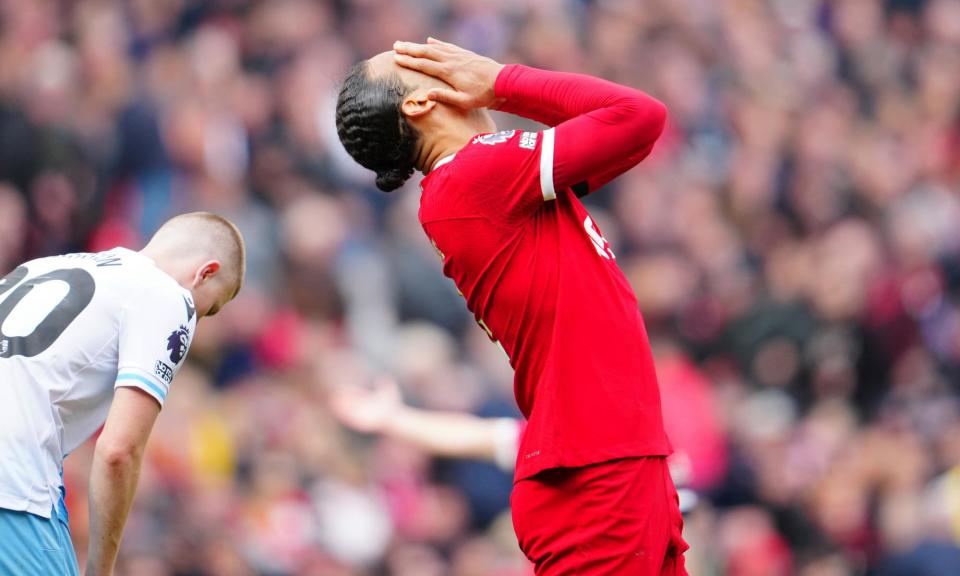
[541, 279]
[614, 518]
[603, 129]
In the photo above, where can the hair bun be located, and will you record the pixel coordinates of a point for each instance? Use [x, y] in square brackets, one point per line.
[372, 128]
[390, 180]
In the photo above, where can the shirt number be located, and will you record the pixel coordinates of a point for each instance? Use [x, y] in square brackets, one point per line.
[48, 327]
[599, 242]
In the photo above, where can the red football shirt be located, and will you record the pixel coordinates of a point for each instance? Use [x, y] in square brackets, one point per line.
[538, 274]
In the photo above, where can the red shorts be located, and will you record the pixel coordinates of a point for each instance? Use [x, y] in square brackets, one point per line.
[618, 517]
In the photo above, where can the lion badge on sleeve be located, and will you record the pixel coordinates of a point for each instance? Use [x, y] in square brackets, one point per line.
[177, 344]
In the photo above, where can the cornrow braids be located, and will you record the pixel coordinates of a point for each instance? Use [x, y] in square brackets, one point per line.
[373, 129]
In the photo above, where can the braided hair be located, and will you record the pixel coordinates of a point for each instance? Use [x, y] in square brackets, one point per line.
[373, 129]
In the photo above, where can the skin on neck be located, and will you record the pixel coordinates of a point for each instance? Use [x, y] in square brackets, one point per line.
[174, 260]
[443, 129]
[178, 268]
[440, 138]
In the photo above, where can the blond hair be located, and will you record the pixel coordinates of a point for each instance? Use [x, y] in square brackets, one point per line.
[210, 235]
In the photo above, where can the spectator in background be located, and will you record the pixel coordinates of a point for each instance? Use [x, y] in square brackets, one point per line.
[13, 226]
[381, 410]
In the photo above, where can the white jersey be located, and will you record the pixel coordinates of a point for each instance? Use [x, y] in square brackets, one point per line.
[71, 329]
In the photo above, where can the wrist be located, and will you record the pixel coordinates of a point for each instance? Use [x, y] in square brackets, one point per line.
[502, 85]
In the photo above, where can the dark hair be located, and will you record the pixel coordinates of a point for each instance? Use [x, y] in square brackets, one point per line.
[373, 129]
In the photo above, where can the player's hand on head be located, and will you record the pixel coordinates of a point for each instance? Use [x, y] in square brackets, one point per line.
[472, 76]
[366, 409]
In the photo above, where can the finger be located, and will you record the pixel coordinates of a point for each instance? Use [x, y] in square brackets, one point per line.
[417, 50]
[450, 50]
[446, 47]
[428, 67]
[452, 97]
[439, 43]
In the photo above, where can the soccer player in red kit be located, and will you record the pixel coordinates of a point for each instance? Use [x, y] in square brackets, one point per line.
[592, 493]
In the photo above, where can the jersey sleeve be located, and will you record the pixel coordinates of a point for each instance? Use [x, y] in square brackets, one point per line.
[156, 330]
[503, 173]
[591, 150]
[598, 129]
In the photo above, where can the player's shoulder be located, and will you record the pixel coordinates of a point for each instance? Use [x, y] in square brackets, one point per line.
[503, 145]
[94, 263]
[492, 169]
[490, 158]
[137, 279]
[108, 259]
[493, 138]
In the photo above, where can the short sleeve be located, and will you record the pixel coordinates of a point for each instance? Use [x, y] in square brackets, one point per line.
[156, 330]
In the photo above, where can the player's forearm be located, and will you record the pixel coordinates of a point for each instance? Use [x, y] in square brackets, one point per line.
[604, 129]
[446, 434]
[113, 482]
[555, 97]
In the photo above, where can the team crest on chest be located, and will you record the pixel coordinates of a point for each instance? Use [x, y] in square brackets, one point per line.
[495, 138]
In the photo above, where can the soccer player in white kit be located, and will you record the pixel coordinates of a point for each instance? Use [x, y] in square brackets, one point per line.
[89, 340]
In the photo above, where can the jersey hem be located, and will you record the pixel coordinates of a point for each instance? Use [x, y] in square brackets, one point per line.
[21, 504]
[137, 378]
[527, 470]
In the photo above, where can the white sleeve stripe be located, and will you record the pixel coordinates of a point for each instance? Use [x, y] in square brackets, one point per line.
[146, 384]
[546, 166]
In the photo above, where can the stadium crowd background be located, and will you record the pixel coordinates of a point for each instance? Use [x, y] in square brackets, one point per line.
[793, 242]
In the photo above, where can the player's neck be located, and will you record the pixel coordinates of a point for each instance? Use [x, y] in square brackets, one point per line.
[432, 150]
[449, 140]
[168, 263]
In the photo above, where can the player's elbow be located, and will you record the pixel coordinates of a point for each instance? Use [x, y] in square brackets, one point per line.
[648, 119]
[658, 119]
[117, 456]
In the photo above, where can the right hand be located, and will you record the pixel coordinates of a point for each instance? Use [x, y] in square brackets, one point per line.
[367, 410]
[472, 76]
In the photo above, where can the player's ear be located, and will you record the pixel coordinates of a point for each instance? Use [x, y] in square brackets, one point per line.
[416, 104]
[208, 270]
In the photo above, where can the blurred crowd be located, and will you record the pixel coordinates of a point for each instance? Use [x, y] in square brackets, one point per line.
[793, 242]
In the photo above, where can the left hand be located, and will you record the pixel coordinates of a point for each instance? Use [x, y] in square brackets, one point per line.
[472, 76]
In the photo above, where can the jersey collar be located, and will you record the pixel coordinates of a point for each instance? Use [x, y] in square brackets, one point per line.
[444, 160]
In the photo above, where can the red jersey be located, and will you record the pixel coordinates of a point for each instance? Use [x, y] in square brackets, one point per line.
[538, 274]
